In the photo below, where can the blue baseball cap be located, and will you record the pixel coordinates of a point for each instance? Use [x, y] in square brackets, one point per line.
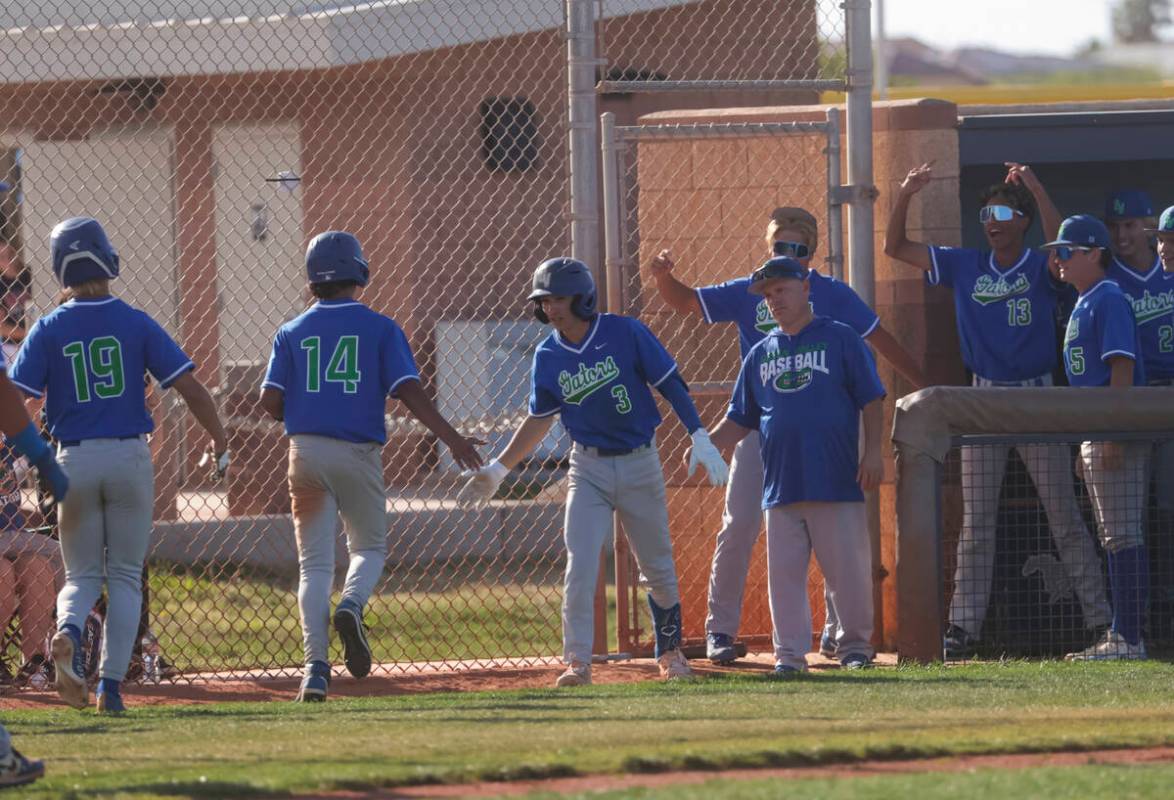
[1165, 222]
[1128, 204]
[1083, 230]
[777, 267]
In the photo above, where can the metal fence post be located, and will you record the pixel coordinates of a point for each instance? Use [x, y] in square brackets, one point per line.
[835, 209]
[581, 116]
[861, 253]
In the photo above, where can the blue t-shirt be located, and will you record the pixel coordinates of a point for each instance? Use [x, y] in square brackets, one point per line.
[91, 357]
[337, 363]
[1152, 297]
[600, 385]
[10, 516]
[1101, 326]
[731, 302]
[803, 394]
[1006, 317]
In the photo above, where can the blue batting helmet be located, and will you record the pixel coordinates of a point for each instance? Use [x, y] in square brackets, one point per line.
[81, 252]
[564, 277]
[336, 256]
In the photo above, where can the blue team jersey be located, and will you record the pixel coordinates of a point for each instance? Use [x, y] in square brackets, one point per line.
[1101, 326]
[803, 394]
[600, 385]
[90, 357]
[1006, 317]
[731, 302]
[336, 364]
[1152, 297]
[11, 517]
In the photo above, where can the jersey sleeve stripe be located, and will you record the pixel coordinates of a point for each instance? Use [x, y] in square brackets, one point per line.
[552, 412]
[272, 385]
[871, 328]
[665, 377]
[934, 277]
[28, 389]
[1126, 353]
[171, 378]
[704, 308]
[401, 380]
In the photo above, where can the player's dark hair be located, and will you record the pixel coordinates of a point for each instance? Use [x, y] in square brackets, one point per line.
[1106, 257]
[329, 290]
[1015, 195]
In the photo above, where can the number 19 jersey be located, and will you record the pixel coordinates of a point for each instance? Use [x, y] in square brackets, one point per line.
[91, 356]
[336, 364]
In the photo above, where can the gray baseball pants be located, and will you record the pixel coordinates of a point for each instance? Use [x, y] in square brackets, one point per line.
[838, 533]
[327, 478]
[1118, 494]
[633, 486]
[105, 528]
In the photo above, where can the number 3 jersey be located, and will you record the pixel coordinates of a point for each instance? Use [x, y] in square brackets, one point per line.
[600, 385]
[91, 357]
[1006, 317]
[336, 364]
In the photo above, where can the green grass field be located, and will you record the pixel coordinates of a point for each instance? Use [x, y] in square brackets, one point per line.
[278, 749]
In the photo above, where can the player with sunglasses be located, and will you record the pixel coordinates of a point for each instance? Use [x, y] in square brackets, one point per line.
[1102, 347]
[791, 232]
[1005, 299]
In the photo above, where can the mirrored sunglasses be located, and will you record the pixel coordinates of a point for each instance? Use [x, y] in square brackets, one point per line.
[1064, 252]
[792, 249]
[998, 214]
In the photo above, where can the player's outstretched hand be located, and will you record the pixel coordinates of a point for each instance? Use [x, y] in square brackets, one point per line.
[662, 263]
[1023, 175]
[704, 452]
[871, 471]
[465, 452]
[482, 483]
[917, 179]
[217, 460]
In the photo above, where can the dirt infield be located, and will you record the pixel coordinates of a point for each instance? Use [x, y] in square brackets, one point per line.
[601, 783]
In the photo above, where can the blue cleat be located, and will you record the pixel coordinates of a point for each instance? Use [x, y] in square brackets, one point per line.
[719, 648]
[855, 661]
[18, 770]
[315, 683]
[109, 702]
[348, 621]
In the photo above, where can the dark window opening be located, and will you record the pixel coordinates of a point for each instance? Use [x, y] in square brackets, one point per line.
[509, 134]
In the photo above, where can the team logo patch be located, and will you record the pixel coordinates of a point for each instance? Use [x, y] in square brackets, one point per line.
[587, 381]
[1072, 332]
[793, 372]
[1149, 307]
[989, 290]
[763, 321]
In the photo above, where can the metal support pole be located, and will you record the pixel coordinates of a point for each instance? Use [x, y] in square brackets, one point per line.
[882, 52]
[835, 209]
[613, 255]
[861, 251]
[583, 146]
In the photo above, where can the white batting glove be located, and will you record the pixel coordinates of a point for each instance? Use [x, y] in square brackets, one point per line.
[705, 454]
[482, 483]
[219, 463]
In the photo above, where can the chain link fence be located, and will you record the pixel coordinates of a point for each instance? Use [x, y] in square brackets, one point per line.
[213, 139]
[706, 192]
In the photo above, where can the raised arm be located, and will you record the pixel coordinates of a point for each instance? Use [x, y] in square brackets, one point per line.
[897, 244]
[1049, 215]
[892, 351]
[678, 296]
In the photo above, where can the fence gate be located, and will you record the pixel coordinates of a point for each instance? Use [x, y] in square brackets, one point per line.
[706, 192]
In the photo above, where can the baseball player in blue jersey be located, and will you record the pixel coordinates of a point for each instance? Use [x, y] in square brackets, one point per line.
[791, 232]
[1161, 373]
[88, 359]
[1005, 301]
[329, 377]
[1102, 347]
[804, 388]
[594, 371]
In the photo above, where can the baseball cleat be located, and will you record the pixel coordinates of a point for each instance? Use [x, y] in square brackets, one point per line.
[315, 683]
[719, 648]
[855, 661]
[958, 644]
[1113, 647]
[18, 770]
[787, 671]
[576, 674]
[69, 666]
[674, 666]
[348, 621]
[827, 646]
[109, 703]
